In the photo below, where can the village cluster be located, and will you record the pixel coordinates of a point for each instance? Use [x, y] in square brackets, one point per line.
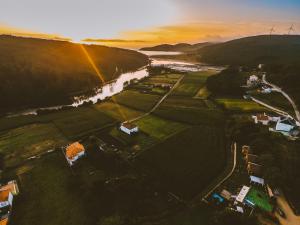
[253, 194]
[282, 122]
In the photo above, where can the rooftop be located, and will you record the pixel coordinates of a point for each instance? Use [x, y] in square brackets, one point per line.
[74, 149]
[4, 195]
[129, 125]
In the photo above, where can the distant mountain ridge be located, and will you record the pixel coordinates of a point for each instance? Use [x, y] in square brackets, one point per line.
[181, 47]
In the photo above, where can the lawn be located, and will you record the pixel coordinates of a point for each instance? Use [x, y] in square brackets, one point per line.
[240, 105]
[49, 195]
[136, 100]
[119, 112]
[260, 199]
[186, 162]
[21, 143]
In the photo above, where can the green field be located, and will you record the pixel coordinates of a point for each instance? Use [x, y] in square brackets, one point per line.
[200, 116]
[49, 195]
[21, 143]
[277, 100]
[162, 78]
[187, 162]
[76, 123]
[71, 122]
[240, 105]
[136, 100]
[260, 199]
[159, 128]
[152, 130]
[183, 102]
[119, 112]
[192, 83]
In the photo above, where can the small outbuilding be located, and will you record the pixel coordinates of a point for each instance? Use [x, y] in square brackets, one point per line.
[257, 180]
[129, 128]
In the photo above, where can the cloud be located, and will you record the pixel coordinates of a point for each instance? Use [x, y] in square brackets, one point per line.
[9, 30]
[113, 40]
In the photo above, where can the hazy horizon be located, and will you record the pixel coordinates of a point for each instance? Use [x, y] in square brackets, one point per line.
[137, 23]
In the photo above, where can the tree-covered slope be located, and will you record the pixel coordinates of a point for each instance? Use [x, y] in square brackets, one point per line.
[36, 72]
[253, 50]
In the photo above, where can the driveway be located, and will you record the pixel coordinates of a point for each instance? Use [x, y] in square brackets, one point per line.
[291, 218]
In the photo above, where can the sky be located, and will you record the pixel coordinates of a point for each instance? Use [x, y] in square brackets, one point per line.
[136, 23]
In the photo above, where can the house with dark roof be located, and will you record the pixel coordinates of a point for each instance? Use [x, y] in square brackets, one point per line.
[129, 128]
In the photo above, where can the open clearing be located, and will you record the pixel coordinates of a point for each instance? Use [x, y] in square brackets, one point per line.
[21, 143]
[186, 162]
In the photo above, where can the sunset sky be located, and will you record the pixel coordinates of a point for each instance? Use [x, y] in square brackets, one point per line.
[135, 23]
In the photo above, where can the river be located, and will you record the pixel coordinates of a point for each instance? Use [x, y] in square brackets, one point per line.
[118, 85]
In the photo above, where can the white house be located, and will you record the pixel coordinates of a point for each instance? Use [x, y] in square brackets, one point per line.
[285, 124]
[266, 90]
[253, 80]
[129, 128]
[74, 152]
[242, 194]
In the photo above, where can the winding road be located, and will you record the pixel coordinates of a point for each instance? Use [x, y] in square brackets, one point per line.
[278, 89]
[159, 102]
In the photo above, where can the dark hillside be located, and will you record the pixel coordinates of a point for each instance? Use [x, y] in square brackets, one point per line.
[253, 50]
[37, 72]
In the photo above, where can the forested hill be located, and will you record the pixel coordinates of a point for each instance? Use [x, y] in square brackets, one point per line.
[264, 49]
[38, 72]
[181, 47]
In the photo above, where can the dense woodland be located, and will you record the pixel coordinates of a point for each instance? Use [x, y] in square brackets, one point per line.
[228, 82]
[255, 50]
[37, 72]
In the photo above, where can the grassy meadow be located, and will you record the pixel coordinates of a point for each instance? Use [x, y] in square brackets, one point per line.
[186, 162]
[240, 105]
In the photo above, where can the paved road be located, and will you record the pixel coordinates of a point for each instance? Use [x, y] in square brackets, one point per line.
[279, 111]
[291, 218]
[159, 102]
[275, 87]
[234, 149]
